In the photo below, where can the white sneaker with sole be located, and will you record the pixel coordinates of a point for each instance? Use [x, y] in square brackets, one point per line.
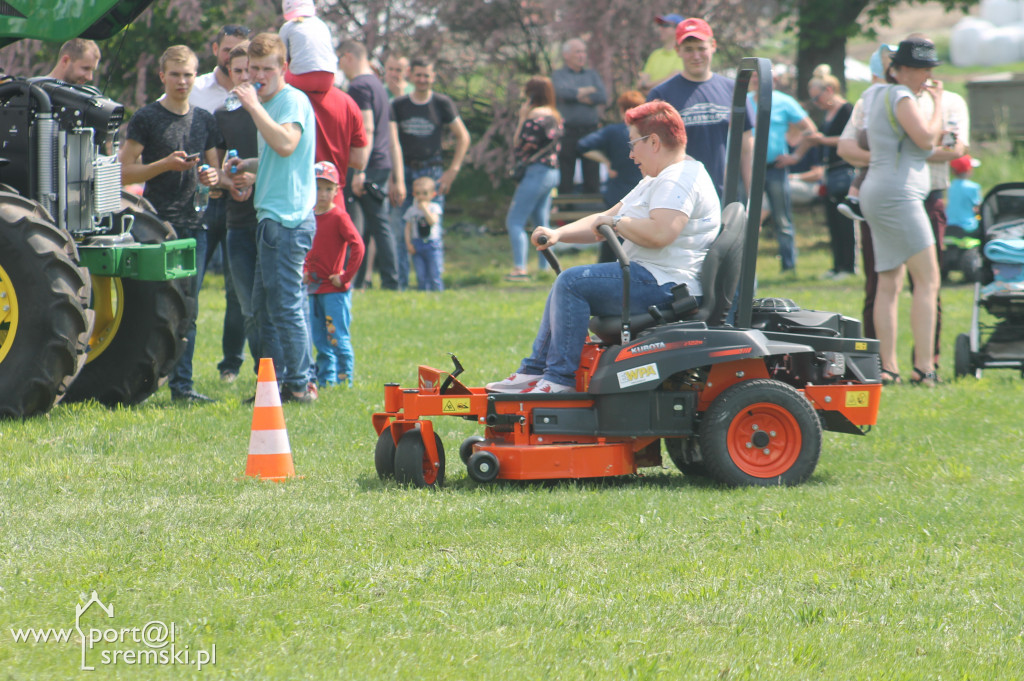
[516, 383]
[545, 386]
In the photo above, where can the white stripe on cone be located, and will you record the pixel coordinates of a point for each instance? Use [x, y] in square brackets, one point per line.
[267, 394]
[269, 442]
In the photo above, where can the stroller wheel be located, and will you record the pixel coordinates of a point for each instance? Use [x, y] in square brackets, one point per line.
[962, 365]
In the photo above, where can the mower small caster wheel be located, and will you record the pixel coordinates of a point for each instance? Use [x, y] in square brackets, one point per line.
[384, 455]
[483, 466]
[412, 463]
[466, 448]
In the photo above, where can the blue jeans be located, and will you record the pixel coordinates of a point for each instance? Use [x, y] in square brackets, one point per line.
[776, 186]
[259, 331]
[578, 294]
[180, 380]
[330, 316]
[429, 263]
[531, 202]
[398, 223]
[278, 290]
[233, 338]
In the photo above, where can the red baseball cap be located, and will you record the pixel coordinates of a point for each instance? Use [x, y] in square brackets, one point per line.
[963, 164]
[693, 28]
[325, 170]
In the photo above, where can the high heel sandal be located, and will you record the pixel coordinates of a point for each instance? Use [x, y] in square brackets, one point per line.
[925, 379]
[890, 378]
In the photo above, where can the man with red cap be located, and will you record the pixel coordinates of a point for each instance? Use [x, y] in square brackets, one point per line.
[704, 100]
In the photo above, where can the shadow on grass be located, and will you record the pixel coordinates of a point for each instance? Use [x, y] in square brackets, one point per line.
[664, 478]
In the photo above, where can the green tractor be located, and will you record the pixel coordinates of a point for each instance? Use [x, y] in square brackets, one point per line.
[92, 299]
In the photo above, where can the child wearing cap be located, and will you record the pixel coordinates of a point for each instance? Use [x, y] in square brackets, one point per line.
[309, 47]
[964, 197]
[331, 264]
[423, 235]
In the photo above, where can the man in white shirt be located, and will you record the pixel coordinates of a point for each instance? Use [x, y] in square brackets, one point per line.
[212, 88]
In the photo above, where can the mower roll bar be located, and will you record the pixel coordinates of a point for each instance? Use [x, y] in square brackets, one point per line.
[763, 68]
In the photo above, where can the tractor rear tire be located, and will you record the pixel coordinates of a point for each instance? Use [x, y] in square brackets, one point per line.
[43, 321]
[143, 343]
[760, 432]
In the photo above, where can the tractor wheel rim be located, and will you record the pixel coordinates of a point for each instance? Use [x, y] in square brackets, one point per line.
[108, 304]
[764, 440]
[8, 314]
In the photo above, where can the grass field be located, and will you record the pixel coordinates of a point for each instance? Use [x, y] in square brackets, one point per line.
[899, 559]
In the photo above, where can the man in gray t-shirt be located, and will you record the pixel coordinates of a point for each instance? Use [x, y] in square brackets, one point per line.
[579, 92]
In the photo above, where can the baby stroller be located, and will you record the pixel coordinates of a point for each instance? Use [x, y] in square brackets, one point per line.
[1000, 289]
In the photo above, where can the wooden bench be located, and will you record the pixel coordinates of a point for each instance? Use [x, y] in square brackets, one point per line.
[566, 208]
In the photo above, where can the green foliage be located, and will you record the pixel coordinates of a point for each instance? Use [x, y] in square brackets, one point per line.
[899, 559]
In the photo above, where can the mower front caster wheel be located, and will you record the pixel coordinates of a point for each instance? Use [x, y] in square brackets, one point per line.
[384, 455]
[466, 448]
[483, 466]
[413, 465]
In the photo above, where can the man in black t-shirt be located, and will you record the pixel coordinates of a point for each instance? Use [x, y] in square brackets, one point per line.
[419, 120]
[166, 143]
[367, 208]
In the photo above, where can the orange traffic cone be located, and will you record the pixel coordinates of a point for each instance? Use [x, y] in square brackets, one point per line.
[270, 456]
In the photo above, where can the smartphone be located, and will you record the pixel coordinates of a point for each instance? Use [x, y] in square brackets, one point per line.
[192, 157]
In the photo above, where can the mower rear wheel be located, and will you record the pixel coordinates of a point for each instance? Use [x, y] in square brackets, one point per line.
[466, 448]
[483, 466]
[760, 432]
[384, 455]
[686, 455]
[413, 466]
[962, 357]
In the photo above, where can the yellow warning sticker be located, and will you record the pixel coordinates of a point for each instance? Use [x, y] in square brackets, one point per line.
[455, 405]
[857, 398]
[860, 345]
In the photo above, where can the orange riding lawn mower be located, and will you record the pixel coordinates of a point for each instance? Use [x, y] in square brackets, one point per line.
[742, 404]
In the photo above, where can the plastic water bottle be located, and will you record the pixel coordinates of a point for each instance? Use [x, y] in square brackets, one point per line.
[232, 102]
[233, 153]
[202, 198]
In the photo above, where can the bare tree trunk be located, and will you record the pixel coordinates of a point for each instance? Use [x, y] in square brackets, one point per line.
[824, 26]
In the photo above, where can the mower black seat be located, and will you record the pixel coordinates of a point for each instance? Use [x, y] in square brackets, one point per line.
[719, 279]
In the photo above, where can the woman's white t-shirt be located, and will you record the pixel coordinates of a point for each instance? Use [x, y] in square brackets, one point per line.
[685, 187]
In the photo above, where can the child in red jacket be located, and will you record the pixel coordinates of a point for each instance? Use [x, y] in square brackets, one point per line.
[331, 264]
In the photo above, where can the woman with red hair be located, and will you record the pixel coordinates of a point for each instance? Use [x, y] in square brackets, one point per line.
[667, 222]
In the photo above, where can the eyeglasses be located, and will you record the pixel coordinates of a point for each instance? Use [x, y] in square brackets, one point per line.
[633, 143]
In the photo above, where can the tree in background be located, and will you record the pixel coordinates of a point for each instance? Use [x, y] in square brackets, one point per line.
[484, 50]
[824, 26]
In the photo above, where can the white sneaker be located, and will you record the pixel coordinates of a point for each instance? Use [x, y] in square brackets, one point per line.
[516, 383]
[545, 386]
